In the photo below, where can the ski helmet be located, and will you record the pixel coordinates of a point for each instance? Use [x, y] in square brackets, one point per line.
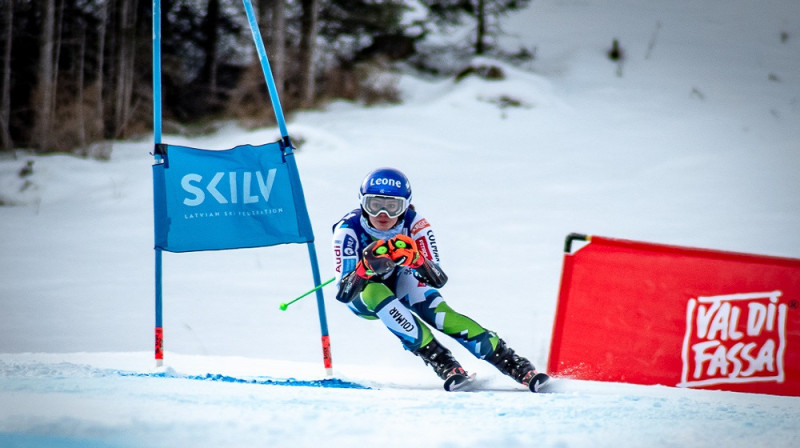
[385, 190]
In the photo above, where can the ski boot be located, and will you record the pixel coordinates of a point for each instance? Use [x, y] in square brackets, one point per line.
[517, 367]
[439, 357]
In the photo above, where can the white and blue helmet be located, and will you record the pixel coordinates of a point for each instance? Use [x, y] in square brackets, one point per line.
[385, 190]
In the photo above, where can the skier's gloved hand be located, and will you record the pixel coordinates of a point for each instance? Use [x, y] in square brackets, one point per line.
[375, 261]
[404, 251]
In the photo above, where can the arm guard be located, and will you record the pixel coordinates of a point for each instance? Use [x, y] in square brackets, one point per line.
[350, 287]
[431, 274]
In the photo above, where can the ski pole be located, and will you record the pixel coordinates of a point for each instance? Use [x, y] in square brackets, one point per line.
[286, 304]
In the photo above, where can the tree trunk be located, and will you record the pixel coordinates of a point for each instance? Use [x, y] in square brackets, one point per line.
[278, 43]
[99, 124]
[307, 51]
[56, 59]
[45, 91]
[210, 28]
[480, 14]
[5, 95]
[79, 84]
[125, 67]
[130, 75]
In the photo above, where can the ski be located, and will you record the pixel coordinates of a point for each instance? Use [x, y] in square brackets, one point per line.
[541, 383]
[459, 381]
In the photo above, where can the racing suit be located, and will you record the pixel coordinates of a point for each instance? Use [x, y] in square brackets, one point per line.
[407, 306]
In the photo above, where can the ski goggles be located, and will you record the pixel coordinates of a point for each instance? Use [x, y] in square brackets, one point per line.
[374, 204]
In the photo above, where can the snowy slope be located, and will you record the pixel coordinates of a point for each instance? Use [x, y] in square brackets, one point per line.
[693, 141]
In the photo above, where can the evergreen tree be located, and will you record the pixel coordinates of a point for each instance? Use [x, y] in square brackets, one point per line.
[485, 13]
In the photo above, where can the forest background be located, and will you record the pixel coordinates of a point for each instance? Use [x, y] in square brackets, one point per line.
[78, 73]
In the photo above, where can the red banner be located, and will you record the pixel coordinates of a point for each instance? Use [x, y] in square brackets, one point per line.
[647, 313]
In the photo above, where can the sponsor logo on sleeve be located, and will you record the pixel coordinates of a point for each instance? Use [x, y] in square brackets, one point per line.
[419, 226]
[344, 252]
[337, 256]
[349, 246]
[422, 245]
[432, 242]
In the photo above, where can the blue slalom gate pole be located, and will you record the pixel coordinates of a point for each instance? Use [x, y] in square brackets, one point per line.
[159, 326]
[323, 321]
[276, 106]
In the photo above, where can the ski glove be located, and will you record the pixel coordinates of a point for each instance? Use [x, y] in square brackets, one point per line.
[404, 251]
[375, 261]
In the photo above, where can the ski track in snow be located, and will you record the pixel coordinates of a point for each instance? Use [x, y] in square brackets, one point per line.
[83, 404]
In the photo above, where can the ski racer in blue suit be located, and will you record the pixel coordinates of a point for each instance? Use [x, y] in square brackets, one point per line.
[387, 268]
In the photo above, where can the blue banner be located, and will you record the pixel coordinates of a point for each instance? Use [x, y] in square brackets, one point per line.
[247, 196]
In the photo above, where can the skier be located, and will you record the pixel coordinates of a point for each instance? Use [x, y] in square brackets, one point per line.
[387, 268]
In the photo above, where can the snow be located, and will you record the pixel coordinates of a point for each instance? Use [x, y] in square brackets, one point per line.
[693, 141]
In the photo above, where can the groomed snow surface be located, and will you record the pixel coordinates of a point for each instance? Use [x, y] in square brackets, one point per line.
[693, 140]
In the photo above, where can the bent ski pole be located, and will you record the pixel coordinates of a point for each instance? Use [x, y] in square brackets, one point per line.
[286, 304]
